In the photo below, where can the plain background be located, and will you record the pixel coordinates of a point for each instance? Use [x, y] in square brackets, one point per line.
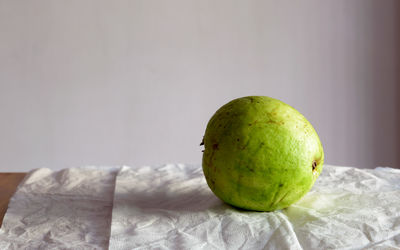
[135, 82]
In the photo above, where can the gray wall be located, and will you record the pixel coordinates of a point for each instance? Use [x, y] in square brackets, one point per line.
[135, 82]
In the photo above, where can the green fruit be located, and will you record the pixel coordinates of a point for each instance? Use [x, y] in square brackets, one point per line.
[260, 154]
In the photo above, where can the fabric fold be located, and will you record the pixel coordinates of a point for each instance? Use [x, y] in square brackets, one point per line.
[171, 207]
[66, 209]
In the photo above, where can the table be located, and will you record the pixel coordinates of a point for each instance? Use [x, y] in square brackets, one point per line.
[8, 185]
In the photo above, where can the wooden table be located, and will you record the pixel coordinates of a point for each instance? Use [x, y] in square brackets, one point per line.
[8, 184]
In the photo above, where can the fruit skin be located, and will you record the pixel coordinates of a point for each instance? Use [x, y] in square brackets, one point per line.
[260, 154]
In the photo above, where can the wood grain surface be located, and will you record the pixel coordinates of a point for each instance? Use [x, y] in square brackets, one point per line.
[8, 185]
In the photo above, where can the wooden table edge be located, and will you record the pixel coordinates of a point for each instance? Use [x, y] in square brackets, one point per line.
[8, 184]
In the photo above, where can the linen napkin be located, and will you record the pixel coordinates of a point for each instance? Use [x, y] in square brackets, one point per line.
[171, 207]
[67, 209]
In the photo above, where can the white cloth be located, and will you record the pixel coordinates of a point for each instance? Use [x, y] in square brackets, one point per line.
[171, 207]
[67, 209]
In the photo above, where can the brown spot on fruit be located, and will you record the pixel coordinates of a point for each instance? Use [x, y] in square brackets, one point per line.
[213, 183]
[314, 165]
[215, 146]
[250, 169]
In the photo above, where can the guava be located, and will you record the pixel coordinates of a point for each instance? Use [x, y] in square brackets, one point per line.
[260, 154]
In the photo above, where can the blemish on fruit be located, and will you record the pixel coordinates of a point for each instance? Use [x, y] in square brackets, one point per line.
[250, 169]
[215, 146]
[314, 165]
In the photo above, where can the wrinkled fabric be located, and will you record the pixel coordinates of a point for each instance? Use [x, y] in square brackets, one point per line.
[171, 207]
[67, 209]
[349, 208]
